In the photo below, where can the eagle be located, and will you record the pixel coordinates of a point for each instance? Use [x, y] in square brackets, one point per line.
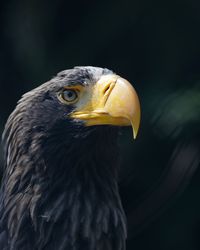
[60, 185]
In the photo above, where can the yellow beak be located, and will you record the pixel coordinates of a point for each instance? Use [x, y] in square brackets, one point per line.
[113, 101]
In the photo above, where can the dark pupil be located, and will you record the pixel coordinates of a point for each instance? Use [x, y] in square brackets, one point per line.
[69, 95]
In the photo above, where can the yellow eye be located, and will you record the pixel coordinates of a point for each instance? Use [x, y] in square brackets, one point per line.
[68, 96]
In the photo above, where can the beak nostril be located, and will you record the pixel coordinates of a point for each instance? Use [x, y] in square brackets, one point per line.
[106, 90]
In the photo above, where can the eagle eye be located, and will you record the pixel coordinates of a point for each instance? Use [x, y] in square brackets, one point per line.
[68, 96]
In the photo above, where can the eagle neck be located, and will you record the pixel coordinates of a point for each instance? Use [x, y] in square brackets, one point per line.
[83, 198]
[64, 197]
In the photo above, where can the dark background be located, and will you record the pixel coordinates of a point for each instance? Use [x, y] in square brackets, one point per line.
[156, 46]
